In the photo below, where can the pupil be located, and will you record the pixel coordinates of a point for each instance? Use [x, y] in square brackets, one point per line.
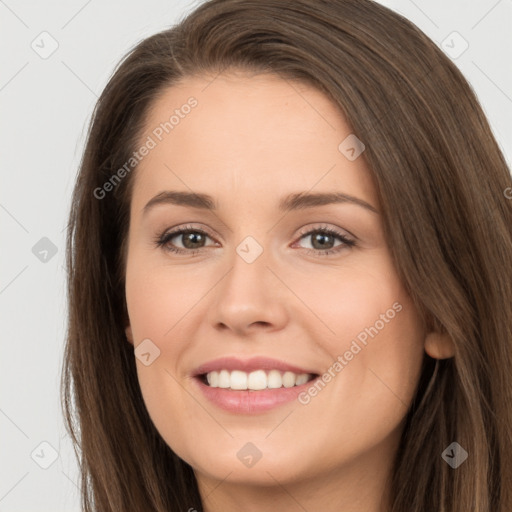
[320, 238]
[191, 237]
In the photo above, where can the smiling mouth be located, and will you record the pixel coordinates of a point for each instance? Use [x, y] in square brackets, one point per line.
[258, 380]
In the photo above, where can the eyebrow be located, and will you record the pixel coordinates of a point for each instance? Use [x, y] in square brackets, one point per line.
[294, 201]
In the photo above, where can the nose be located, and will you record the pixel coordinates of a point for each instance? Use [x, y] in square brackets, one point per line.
[249, 298]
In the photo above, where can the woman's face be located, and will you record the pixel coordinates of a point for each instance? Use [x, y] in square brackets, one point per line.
[256, 280]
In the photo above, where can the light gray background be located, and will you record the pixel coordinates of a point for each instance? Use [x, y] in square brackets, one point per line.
[46, 104]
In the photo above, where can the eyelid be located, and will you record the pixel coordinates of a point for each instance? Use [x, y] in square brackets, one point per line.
[347, 241]
[326, 227]
[303, 231]
[180, 229]
[175, 230]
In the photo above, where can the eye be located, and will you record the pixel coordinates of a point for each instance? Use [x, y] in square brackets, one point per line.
[323, 240]
[193, 240]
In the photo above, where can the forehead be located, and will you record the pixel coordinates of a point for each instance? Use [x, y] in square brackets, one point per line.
[238, 134]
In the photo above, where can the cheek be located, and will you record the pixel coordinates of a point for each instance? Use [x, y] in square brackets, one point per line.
[151, 307]
[364, 315]
[381, 349]
[158, 297]
[348, 299]
[155, 304]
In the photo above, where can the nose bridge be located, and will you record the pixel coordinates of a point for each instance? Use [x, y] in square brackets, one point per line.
[249, 292]
[248, 277]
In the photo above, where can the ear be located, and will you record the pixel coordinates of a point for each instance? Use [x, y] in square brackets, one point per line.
[129, 334]
[439, 345]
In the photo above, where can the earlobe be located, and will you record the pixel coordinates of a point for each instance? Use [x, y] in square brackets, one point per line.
[439, 345]
[129, 335]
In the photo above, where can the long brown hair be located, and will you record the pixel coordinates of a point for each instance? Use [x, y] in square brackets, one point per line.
[441, 180]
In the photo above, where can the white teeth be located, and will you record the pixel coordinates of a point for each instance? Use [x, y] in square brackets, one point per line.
[213, 379]
[288, 379]
[301, 379]
[274, 379]
[256, 380]
[224, 379]
[238, 380]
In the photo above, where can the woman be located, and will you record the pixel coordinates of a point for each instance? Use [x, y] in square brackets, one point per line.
[213, 361]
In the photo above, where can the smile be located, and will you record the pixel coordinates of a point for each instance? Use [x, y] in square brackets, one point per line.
[256, 380]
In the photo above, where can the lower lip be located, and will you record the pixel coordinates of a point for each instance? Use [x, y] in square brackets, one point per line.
[249, 401]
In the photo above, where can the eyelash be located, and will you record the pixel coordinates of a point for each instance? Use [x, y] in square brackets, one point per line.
[162, 240]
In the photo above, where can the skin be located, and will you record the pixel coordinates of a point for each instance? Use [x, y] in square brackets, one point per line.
[250, 141]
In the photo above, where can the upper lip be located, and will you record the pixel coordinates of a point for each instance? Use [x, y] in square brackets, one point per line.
[248, 365]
